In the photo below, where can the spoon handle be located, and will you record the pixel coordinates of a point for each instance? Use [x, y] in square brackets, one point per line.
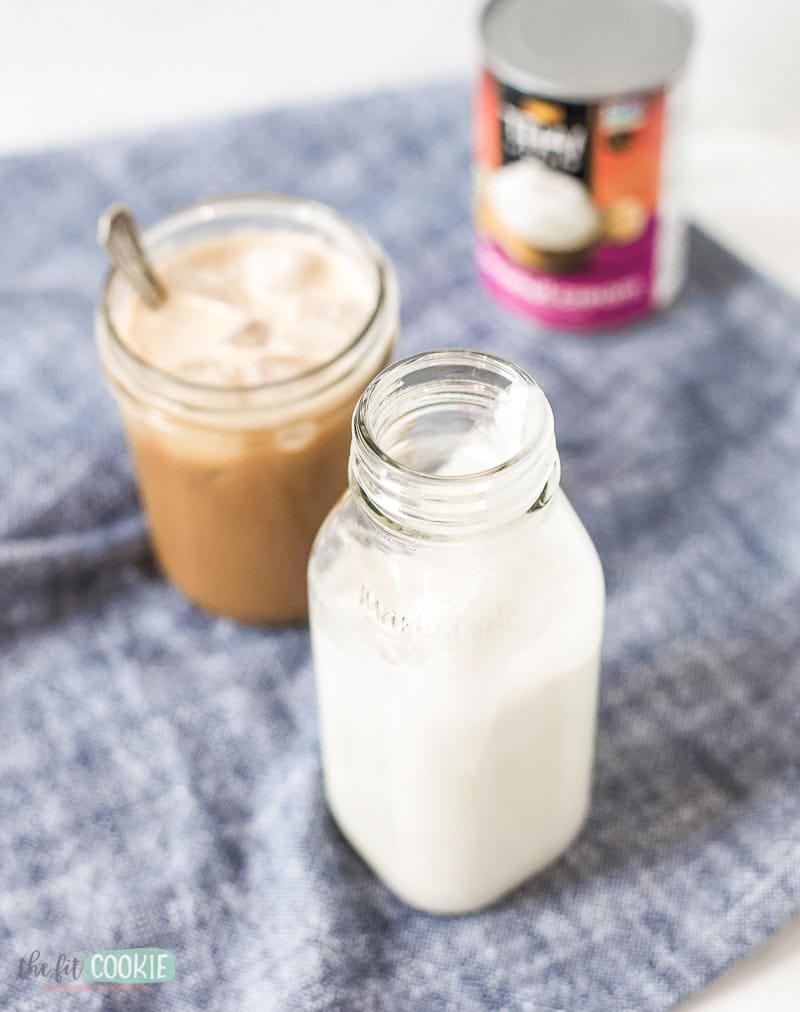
[118, 233]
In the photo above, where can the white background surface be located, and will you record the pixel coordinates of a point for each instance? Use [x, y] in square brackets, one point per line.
[73, 69]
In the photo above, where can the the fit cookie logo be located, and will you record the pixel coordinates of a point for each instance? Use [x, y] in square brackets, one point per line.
[112, 968]
[527, 133]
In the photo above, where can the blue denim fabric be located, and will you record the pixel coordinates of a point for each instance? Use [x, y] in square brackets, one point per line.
[159, 768]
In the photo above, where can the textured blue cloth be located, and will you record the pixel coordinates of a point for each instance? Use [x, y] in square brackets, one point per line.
[160, 779]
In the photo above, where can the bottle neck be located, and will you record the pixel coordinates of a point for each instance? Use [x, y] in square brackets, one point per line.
[453, 445]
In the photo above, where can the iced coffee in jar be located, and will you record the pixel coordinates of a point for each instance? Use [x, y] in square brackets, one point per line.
[236, 393]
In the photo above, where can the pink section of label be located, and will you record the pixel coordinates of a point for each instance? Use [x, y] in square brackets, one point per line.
[615, 285]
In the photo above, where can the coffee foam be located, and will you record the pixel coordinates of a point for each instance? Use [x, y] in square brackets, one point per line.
[251, 307]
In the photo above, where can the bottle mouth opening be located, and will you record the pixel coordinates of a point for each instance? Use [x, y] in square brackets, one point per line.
[453, 439]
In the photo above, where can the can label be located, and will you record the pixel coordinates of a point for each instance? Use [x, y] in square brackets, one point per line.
[574, 218]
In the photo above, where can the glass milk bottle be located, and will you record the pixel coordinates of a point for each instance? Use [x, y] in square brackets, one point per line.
[456, 606]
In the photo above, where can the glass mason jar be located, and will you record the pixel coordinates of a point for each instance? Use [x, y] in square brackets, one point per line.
[236, 481]
[456, 607]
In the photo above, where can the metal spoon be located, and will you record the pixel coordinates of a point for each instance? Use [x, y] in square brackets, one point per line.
[118, 233]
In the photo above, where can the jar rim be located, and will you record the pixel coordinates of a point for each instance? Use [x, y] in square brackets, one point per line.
[306, 212]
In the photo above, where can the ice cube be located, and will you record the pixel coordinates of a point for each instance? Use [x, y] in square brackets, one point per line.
[279, 268]
[251, 335]
[279, 365]
[323, 326]
[293, 438]
[199, 370]
[204, 288]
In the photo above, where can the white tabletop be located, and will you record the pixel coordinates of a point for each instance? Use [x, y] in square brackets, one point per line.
[70, 71]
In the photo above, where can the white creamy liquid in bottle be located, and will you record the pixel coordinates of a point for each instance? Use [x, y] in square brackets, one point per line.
[457, 683]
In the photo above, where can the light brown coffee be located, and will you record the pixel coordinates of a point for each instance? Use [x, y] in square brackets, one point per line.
[233, 514]
[235, 495]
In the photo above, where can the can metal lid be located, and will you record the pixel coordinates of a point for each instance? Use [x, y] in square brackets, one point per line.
[585, 50]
